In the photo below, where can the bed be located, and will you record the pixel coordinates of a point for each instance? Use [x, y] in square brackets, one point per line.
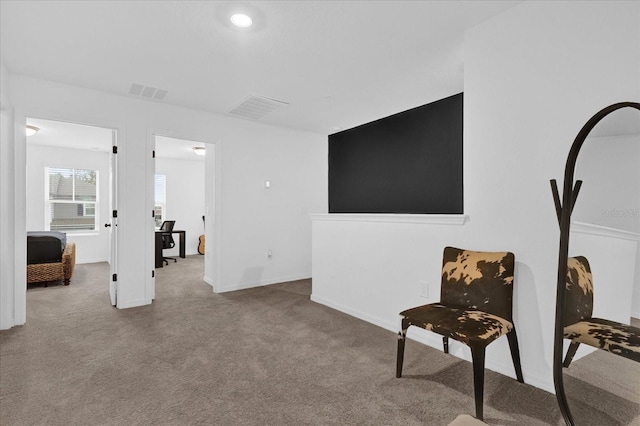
[50, 257]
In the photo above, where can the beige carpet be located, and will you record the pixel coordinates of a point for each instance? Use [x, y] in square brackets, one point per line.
[264, 356]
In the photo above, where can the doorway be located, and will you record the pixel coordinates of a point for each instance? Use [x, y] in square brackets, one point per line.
[70, 188]
[179, 194]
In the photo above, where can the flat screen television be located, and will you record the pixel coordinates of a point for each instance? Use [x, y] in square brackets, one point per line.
[410, 162]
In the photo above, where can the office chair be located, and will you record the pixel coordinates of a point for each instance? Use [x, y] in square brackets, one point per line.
[167, 239]
[475, 309]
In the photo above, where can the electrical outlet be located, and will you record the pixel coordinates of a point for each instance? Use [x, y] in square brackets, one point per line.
[424, 289]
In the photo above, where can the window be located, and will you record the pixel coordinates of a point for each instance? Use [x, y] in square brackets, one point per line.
[88, 209]
[160, 199]
[72, 199]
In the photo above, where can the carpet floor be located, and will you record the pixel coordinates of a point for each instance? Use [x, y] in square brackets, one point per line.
[262, 356]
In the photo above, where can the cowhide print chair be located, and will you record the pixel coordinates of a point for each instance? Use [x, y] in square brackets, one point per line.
[580, 327]
[475, 308]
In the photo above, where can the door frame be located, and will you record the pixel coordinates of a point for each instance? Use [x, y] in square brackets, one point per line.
[20, 194]
[113, 219]
[213, 214]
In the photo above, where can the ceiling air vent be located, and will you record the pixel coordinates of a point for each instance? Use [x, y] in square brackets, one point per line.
[147, 92]
[255, 107]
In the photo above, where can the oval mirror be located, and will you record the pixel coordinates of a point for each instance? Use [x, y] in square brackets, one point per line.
[602, 388]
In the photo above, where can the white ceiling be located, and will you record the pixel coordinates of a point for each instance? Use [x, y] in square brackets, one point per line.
[177, 149]
[70, 135]
[79, 136]
[338, 64]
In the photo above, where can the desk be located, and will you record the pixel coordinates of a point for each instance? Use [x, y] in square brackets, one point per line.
[183, 236]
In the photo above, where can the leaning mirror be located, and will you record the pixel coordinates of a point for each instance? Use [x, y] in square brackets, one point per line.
[598, 290]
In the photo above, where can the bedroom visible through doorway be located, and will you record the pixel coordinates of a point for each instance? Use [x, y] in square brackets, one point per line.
[69, 187]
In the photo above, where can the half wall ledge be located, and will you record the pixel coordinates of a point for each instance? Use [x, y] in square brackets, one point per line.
[427, 219]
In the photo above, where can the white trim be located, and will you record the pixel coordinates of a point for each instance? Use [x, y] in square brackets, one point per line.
[216, 227]
[92, 260]
[20, 217]
[260, 283]
[208, 280]
[356, 313]
[7, 251]
[427, 219]
[603, 231]
[131, 303]
[435, 341]
[217, 230]
[150, 194]
[20, 193]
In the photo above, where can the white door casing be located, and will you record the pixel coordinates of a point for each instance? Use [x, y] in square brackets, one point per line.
[113, 222]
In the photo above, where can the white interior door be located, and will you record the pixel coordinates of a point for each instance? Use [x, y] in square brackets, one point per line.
[112, 223]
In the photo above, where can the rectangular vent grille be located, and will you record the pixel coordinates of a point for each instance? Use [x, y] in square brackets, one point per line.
[255, 107]
[147, 92]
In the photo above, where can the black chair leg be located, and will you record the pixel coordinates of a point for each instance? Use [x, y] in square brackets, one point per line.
[445, 344]
[571, 352]
[477, 354]
[515, 354]
[402, 336]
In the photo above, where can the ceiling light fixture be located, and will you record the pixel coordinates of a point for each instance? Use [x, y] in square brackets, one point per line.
[241, 20]
[31, 130]
[199, 150]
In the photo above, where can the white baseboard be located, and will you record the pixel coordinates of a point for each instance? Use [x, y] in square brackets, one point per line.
[208, 280]
[7, 323]
[132, 303]
[244, 286]
[387, 325]
[435, 341]
[83, 261]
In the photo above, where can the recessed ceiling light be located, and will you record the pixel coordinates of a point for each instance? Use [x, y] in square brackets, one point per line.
[32, 130]
[241, 20]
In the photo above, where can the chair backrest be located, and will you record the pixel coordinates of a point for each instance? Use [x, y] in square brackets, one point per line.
[478, 280]
[167, 225]
[579, 291]
[167, 239]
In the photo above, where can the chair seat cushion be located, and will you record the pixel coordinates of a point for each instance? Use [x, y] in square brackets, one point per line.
[467, 326]
[615, 337]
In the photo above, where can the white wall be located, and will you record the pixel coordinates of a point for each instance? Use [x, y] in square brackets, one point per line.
[7, 312]
[533, 76]
[247, 153]
[90, 246]
[612, 255]
[4, 88]
[274, 219]
[610, 194]
[185, 199]
[211, 187]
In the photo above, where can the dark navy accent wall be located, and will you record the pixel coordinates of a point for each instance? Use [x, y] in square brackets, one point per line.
[410, 162]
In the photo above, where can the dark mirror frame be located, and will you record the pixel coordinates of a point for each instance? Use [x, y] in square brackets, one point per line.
[564, 209]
